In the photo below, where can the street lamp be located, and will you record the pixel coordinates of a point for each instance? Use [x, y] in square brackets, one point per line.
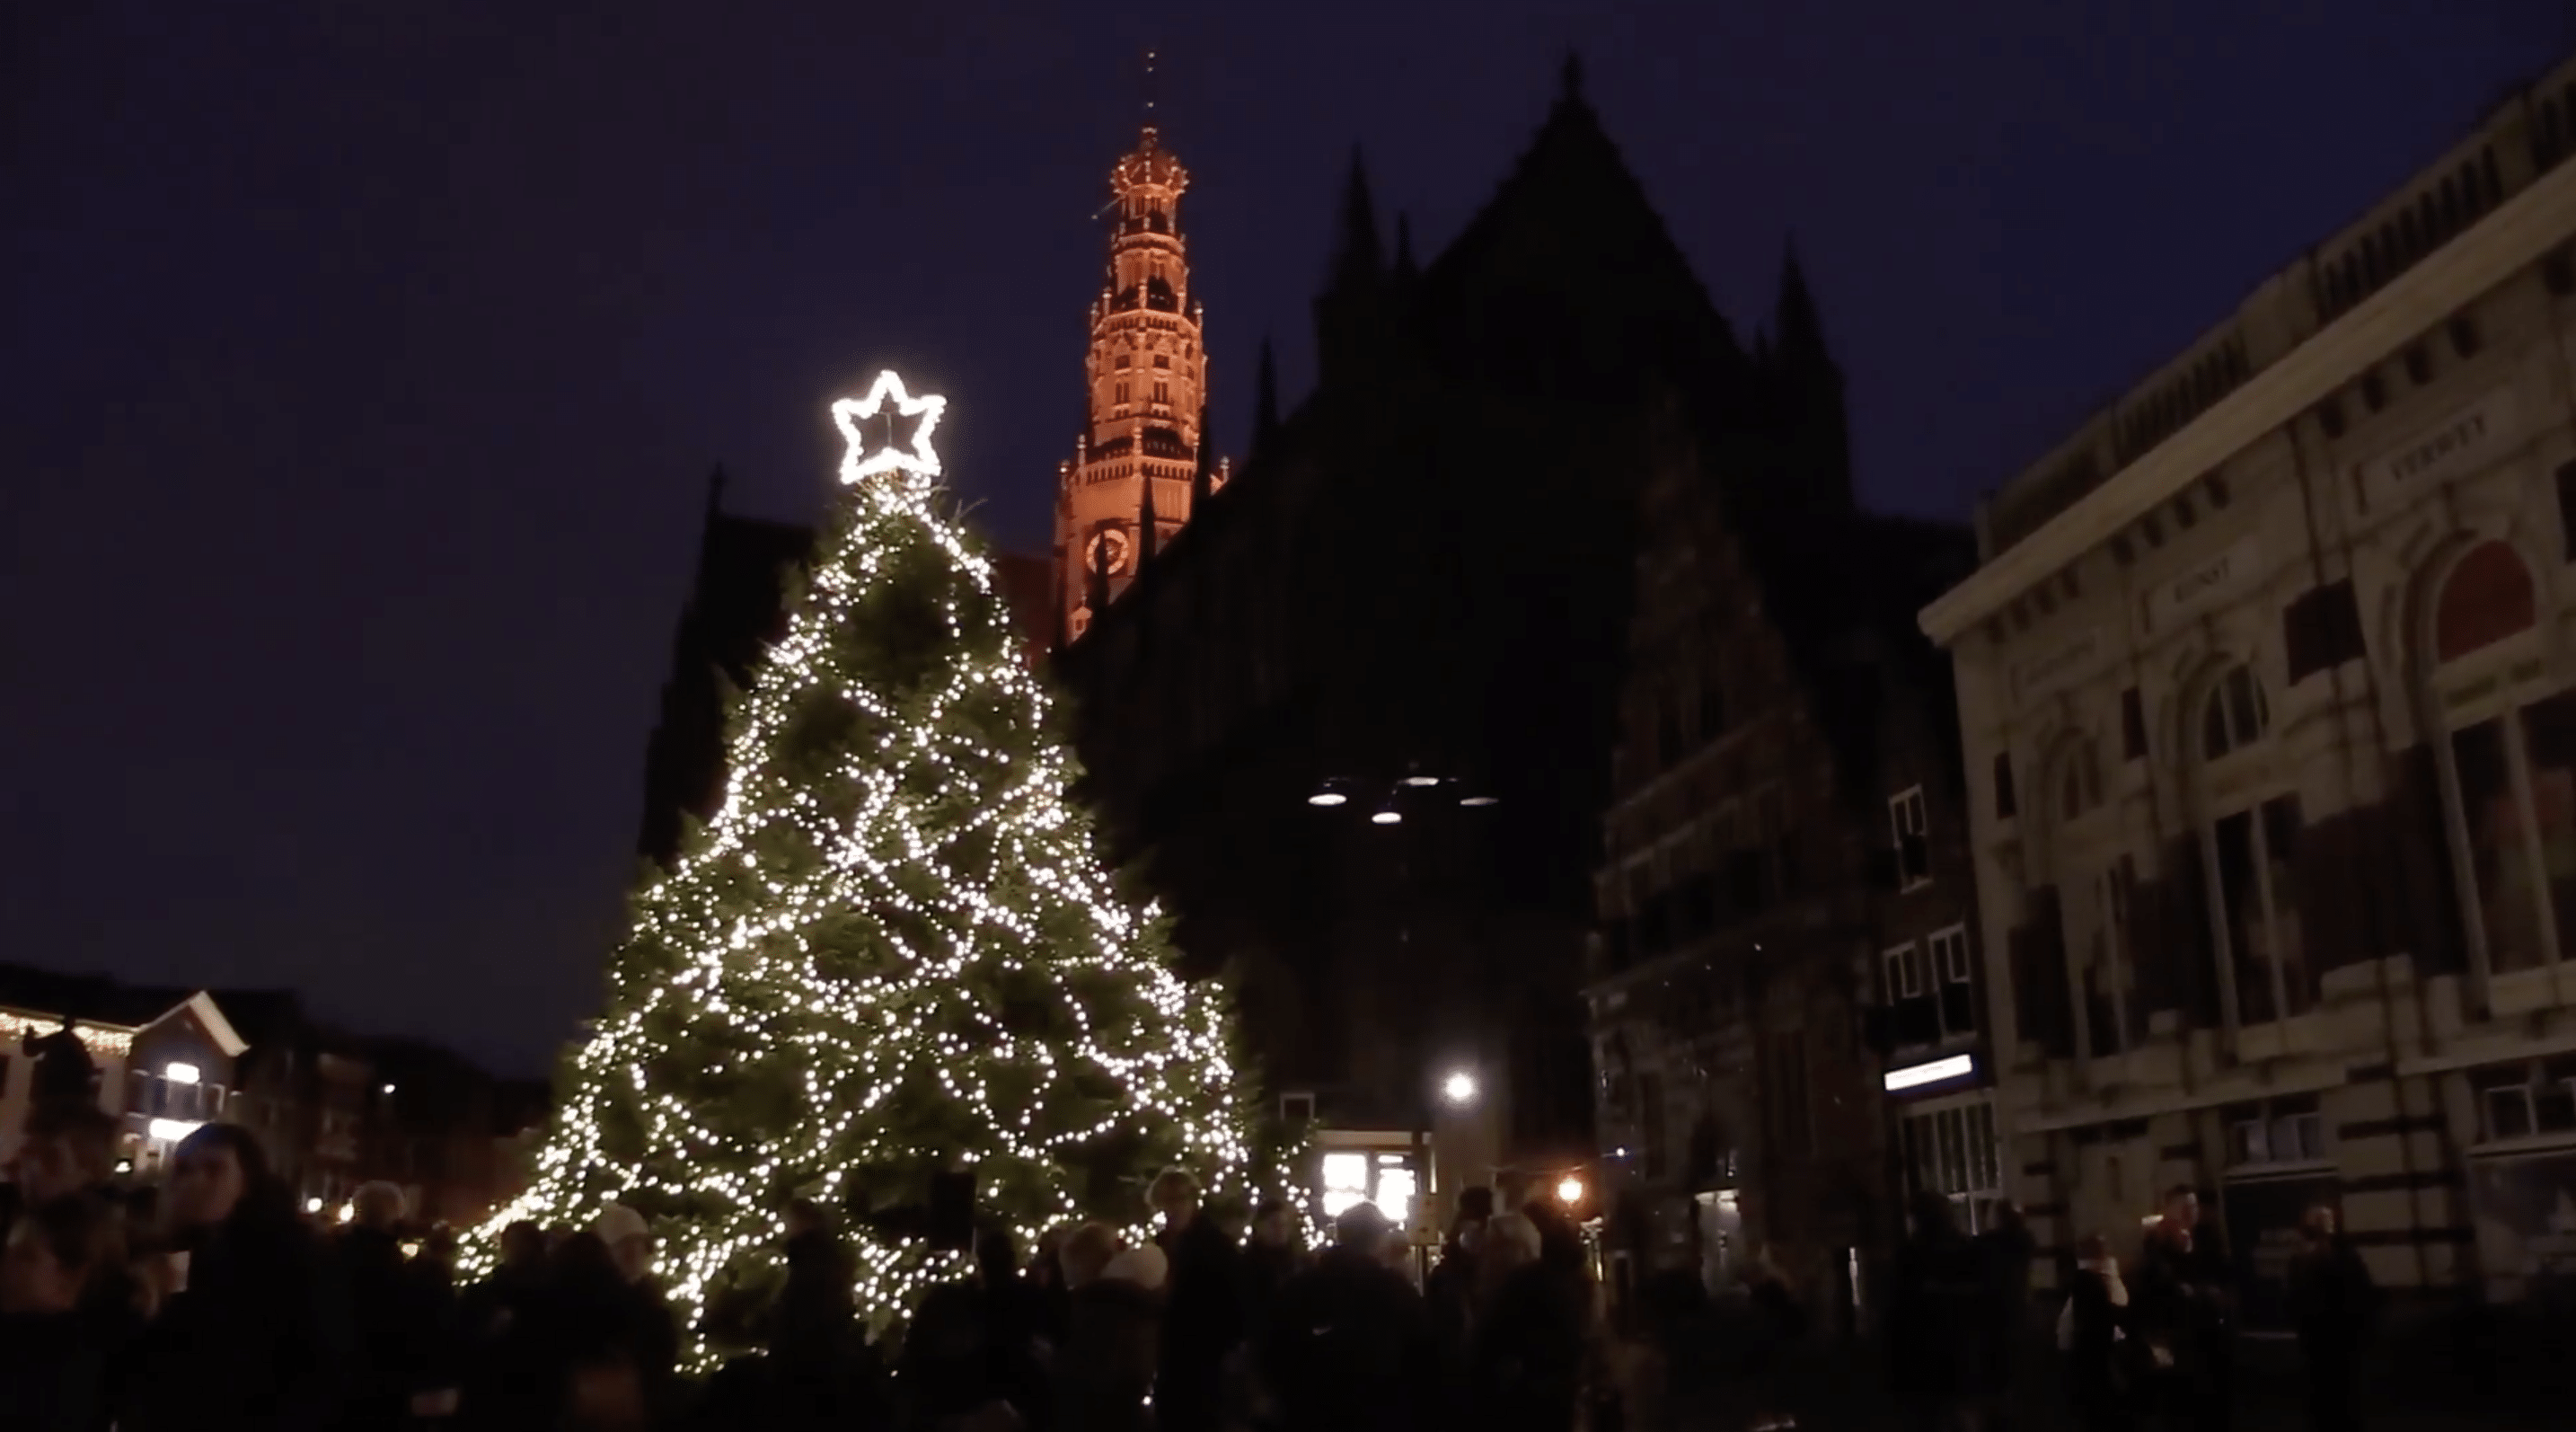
[1388, 816]
[1569, 1190]
[1459, 1088]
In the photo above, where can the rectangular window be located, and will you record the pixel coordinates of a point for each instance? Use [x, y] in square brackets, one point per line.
[2527, 1100]
[2111, 1009]
[2133, 726]
[2500, 849]
[2321, 630]
[1162, 392]
[1955, 982]
[1121, 398]
[1912, 828]
[1904, 974]
[2259, 911]
[1953, 1152]
[1792, 1129]
[2006, 807]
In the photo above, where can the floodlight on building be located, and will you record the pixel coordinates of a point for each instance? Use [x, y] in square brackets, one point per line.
[1478, 801]
[313, 1205]
[180, 1073]
[1420, 782]
[1388, 816]
[171, 1131]
[1327, 798]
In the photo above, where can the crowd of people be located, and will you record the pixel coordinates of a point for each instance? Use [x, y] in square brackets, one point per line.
[211, 1303]
[2150, 1349]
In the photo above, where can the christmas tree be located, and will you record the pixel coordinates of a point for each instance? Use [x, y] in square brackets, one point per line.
[894, 952]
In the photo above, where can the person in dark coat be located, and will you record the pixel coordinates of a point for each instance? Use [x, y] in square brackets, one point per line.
[1938, 1308]
[1202, 1311]
[821, 1372]
[1349, 1347]
[1525, 1361]
[2333, 1301]
[252, 1333]
[53, 1371]
[1274, 1254]
[2185, 1297]
[500, 1335]
[392, 1315]
[1014, 1318]
[1104, 1373]
[2006, 1251]
[2097, 1325]
[1452, 1291]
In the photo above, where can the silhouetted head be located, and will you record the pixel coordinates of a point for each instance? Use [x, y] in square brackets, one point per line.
[997, 1256]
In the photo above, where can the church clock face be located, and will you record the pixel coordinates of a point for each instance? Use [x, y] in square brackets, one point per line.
[1109, 552]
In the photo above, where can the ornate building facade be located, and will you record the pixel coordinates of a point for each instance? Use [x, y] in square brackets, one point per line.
[2268, 686]
[1783, 887]
[1140, 465]
[1379, 805]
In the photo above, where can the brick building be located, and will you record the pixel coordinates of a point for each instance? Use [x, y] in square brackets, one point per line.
[1783, 889]
[2265, 682]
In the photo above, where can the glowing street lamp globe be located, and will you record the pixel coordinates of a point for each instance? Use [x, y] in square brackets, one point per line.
[1569, 1189]
[1459, 1087]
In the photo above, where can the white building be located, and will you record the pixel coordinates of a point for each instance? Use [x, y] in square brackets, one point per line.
[2268, 689]
[165, 1062]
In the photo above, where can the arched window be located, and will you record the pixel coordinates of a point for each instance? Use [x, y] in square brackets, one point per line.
[2513, 763]
[2487, 598]
[2235, 717]
[2252, 851]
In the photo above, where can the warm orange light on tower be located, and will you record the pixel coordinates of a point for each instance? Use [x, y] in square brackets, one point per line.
[1146, 376]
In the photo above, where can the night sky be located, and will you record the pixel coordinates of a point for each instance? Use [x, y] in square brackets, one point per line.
[365, 359]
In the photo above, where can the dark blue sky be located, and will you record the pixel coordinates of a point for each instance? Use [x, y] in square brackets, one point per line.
[365, 358]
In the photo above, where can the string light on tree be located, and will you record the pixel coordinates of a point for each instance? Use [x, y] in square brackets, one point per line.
[893, 952]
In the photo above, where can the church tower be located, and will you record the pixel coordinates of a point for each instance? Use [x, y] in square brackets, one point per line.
[1147, 380]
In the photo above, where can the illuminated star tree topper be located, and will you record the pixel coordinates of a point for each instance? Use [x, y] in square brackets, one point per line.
[893, 953]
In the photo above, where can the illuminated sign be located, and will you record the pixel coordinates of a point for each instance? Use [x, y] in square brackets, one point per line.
[1957, 1066]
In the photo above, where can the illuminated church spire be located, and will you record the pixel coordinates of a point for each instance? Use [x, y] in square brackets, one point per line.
[1146, 377]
